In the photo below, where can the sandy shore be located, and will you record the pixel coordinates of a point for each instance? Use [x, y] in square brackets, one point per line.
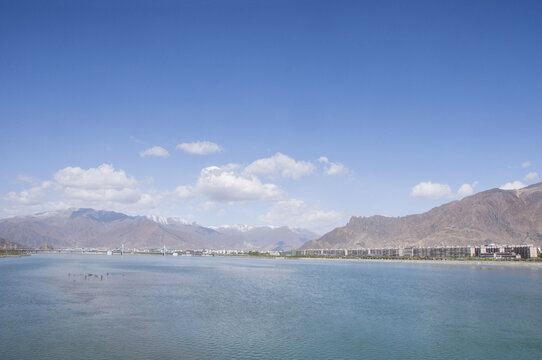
[531, 264]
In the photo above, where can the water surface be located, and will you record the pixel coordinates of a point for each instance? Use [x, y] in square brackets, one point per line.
[144, 307]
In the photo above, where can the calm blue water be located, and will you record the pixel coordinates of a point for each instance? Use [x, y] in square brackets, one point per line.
[153, 307]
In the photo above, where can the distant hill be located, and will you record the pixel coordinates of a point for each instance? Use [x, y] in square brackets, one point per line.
[8, 245]
[266, 237]
[108, 229]
[493, 216]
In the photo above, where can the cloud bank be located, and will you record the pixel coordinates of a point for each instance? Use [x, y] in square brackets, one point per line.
[227, 184]
[102, 187]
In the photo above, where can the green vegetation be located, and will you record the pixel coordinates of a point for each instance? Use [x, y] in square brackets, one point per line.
[259, 254]
[5, 253]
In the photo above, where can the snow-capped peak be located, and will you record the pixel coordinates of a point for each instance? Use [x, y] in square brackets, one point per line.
[242, 227]
[167, 220]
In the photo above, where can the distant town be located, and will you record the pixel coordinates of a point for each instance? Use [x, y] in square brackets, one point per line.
[491, 251]
[484, 251]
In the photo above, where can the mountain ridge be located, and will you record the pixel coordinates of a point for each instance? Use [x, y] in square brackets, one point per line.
[86, 227]
[492, 216]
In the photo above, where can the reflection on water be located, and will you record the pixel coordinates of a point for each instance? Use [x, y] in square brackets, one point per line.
[142, 307]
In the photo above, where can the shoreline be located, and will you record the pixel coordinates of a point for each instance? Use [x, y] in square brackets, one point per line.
[533, 264]
[473, 262]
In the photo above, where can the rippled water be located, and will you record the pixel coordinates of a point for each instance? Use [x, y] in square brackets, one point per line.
[153, 307]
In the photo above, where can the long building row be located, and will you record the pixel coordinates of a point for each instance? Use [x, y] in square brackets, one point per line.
[483, 251]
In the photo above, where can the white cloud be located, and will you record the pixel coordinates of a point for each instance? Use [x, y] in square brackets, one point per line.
[104, 176]
[296, 213]
[335, 168]
[280, 165]
[429, 190]
[323, 159]
[532, 176]
[514, 185]
[31, 196]
[466, 190]
[199, 147]
[155, 151]
[526, 164]
[228, 184]
[102, 187]
[233, 183]
[332, 168]
[124, 196]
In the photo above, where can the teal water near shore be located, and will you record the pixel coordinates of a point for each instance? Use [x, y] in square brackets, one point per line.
[153, 307]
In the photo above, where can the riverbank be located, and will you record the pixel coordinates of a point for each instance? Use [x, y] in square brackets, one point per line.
[13, 253]
[471, 262]
[525, 263]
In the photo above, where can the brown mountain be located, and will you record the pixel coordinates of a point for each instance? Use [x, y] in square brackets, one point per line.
[8, 245]
[76, 228]
[493, 216]
[91, 228]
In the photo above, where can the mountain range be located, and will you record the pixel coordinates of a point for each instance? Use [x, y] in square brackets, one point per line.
[493, 216]
[76, 228]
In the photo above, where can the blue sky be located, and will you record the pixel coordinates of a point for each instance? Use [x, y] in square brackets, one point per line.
[318, 110]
